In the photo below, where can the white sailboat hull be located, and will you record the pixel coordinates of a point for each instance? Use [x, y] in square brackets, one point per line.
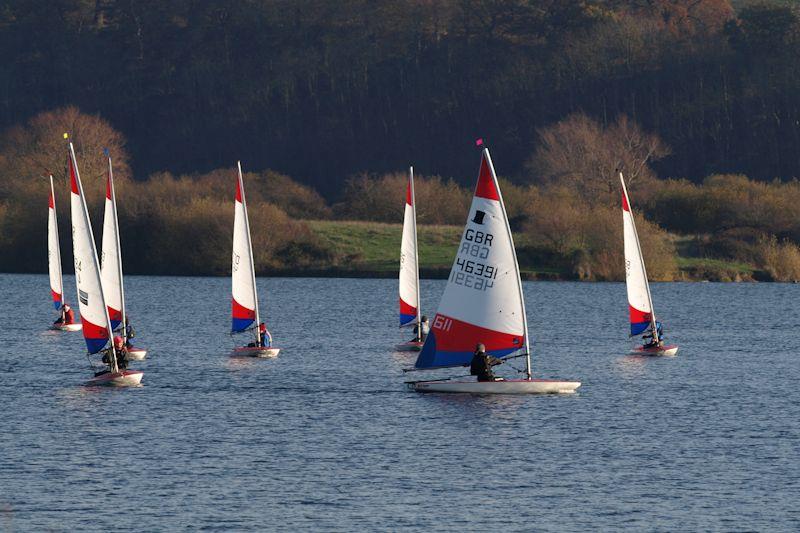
[250, 351]
[667, 350]
[137, 354]
[409, 346]
[67, 327]
[511, 386]
[124, 378]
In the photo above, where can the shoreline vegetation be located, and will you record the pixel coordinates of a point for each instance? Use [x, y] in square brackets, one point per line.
[371, 250]
[565, 212]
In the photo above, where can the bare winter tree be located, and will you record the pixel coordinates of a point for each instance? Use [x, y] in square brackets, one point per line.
[581, 154]
[38, 148]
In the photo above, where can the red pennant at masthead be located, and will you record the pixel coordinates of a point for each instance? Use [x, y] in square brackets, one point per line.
[72, 179]
[485, 187]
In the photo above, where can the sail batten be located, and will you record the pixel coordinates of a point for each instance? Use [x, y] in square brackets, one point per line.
[409, 262]
[640, 303]
[482, 301]
[244, 295]
[91, 300]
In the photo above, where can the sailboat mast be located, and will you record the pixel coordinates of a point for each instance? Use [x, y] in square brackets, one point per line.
[250, 249]
[73, 161]
[516, 265]
[58, 244]
[118, 249]
[653, 327]
[416, 250]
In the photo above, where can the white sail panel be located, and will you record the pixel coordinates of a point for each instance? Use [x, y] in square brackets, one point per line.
[111, 264]
[87, 272]
[244, 305]
[54, 252]
[639, 304]
[482, 301]
[409, 272]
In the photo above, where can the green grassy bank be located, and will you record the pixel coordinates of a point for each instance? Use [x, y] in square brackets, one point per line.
[371, 249]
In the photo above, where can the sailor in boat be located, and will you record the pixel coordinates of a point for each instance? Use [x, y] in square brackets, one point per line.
[264, 338]
[482, 363]
[649, 339]
[67, 316]
[129, 333]
[421, 330]
[122, 356]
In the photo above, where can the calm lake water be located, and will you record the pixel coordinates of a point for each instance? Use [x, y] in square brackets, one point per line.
[327, 438]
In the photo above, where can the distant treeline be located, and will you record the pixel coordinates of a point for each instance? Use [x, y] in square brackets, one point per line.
[567, 223]
[321, 90]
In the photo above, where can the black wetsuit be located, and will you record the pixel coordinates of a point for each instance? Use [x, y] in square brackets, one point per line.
[481, 366]
[129, 334]
[122, 359]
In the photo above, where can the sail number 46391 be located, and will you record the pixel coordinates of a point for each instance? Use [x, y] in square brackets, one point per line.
[473, 282]
[473, 274]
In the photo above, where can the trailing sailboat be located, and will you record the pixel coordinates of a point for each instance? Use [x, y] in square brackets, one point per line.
[410, 314]
[97, 329]
[111, 269]
[483, 302]
[244, 295]
[640, 302]
[65, 322]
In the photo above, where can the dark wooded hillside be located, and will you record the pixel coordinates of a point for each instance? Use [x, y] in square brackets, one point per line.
[321, 90]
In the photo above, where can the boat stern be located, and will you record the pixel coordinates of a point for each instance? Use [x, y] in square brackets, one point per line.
[124, 378]
[256, 351]
[508, 386]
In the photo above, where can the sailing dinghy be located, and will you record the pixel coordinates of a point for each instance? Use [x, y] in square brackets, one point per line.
[640, 302]
[410, 314]
[54, 265]
[244, 297]
[483, 303]
[97, 330]
[111, 267]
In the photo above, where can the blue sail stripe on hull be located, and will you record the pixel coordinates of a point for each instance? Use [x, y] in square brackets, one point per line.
[95, 345]
[241, 324]
[430, 357]
[406, 319]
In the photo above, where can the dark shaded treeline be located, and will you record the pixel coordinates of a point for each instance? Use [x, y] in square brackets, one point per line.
[321, 90]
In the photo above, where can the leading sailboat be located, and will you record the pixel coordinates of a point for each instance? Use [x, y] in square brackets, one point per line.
[410, 314]
[244, 295]
[483, 302]
[66, 321]
[97, 330]
[640, 302]
[111, 268]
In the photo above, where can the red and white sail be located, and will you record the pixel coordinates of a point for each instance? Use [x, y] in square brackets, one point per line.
[111, 270]
[94, 314]
[244, 304]
[640, 304]
[409, 264]
[482, 301]
[54, 252]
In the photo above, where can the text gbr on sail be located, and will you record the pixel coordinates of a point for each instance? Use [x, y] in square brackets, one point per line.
[474, 274]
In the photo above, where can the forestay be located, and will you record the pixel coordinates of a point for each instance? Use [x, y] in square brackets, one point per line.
[54, 252]
[640, 303]
[94, 315]
[482, 301]
[244, 300]
[409, 266]
[111, 270]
